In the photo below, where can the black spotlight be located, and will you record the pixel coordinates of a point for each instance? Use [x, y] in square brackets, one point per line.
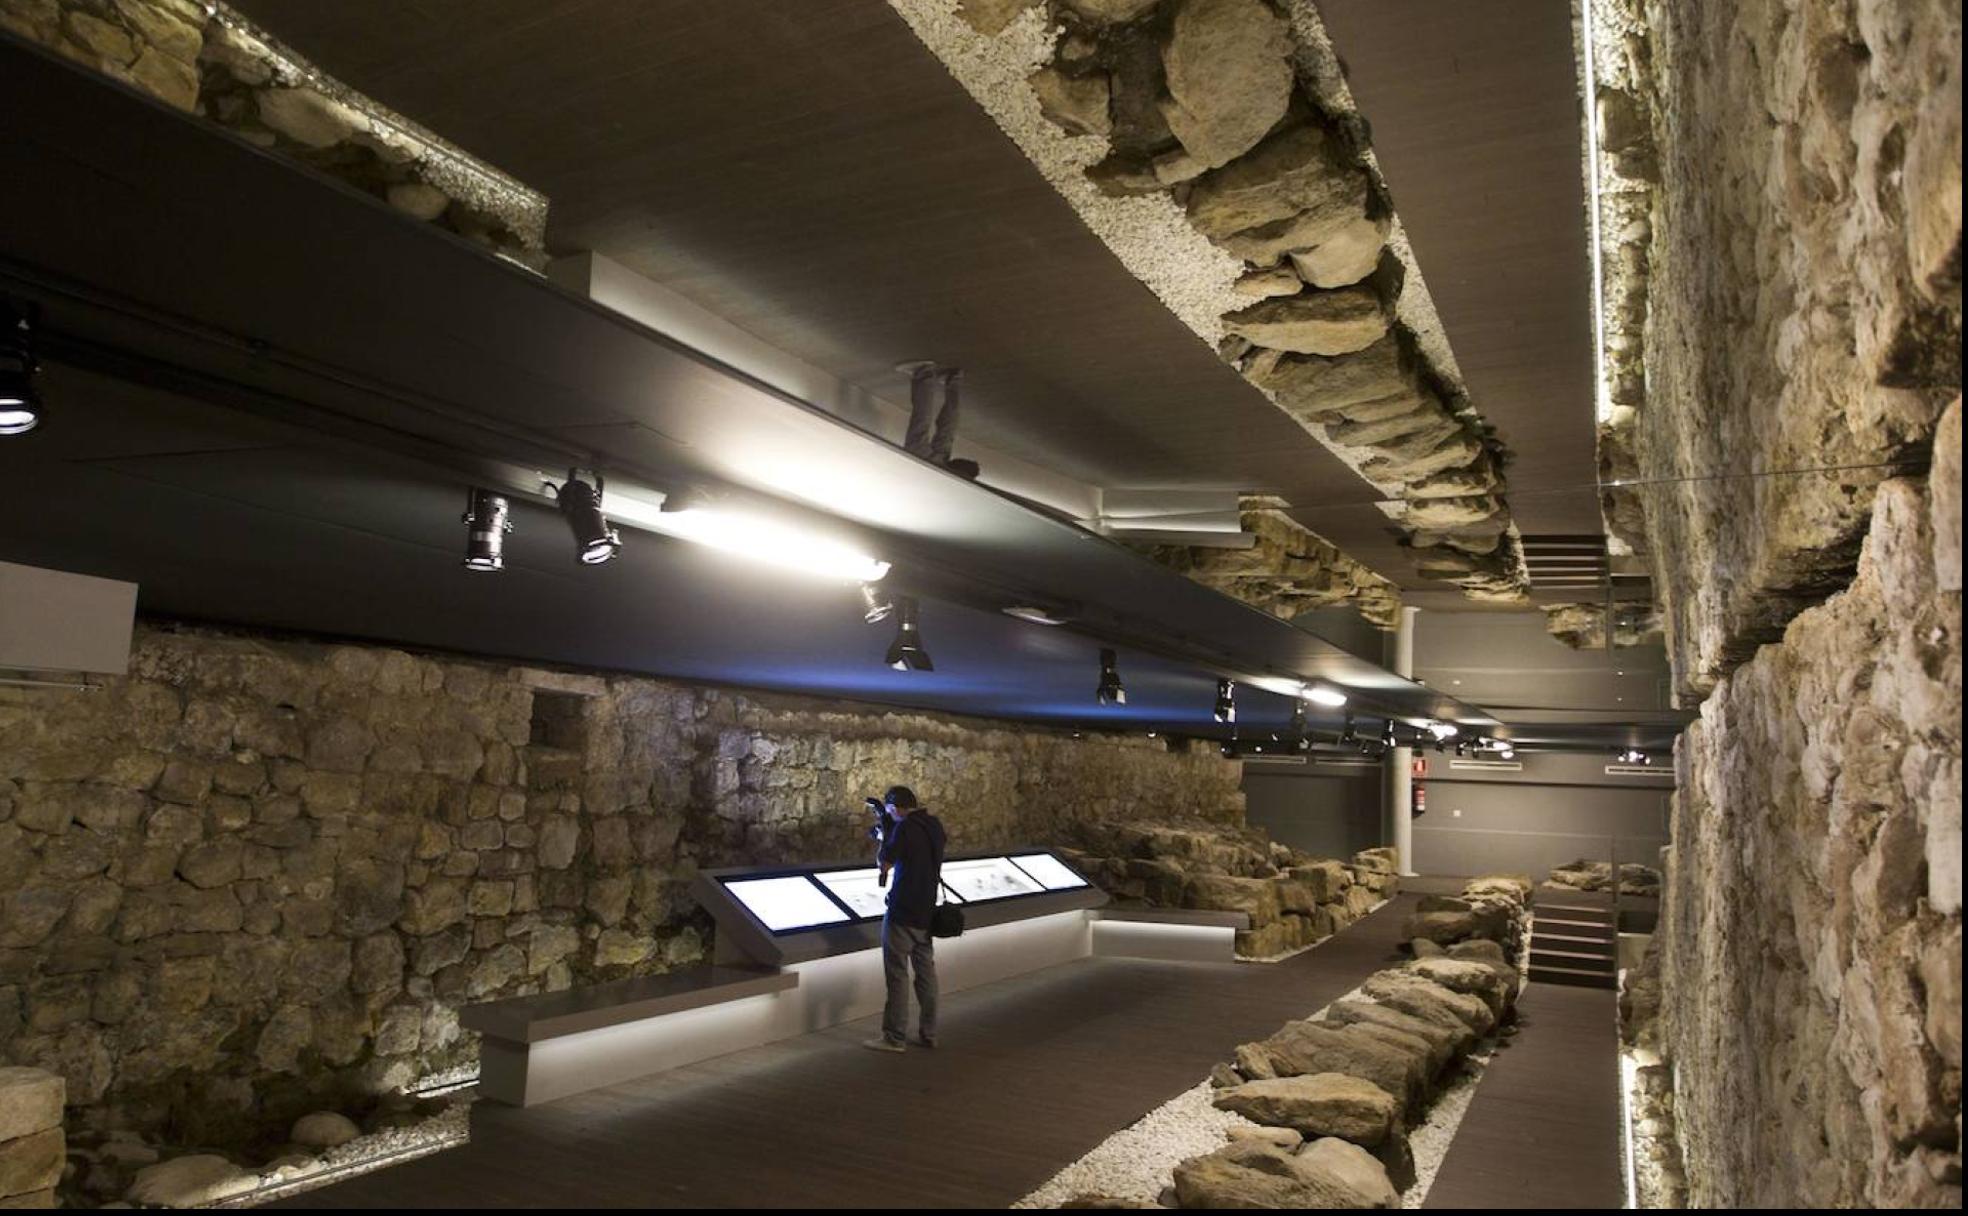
[1349, 735]
[1226, 701]
[20, 404]
[488, 517]
[876, 604]
[1387, 739]
[906, 652]
[1462, 749]
[580, 503]
[1299, 730]
[1110, 691]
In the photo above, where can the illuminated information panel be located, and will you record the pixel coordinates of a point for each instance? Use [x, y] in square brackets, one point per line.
[788, 903]
[983, 878]
[857, 889]
[1052, 873]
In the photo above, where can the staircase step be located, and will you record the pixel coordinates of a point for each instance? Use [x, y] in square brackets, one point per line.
[1599, 928]
[1567, 958]
[1575, 910]
[1573, 976]
[1564, 941]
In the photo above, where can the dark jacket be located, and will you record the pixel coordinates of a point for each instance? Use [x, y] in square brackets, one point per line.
[914, 848]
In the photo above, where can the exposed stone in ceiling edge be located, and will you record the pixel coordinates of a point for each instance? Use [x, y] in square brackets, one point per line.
[1094, 93]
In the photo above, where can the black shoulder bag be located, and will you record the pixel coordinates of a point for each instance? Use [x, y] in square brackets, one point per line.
[945, 920]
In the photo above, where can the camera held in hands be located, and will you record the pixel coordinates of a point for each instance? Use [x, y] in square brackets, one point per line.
[884, 819]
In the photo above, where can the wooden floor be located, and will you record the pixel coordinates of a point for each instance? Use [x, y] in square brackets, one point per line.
[1544, 1128]
[1032, 1073]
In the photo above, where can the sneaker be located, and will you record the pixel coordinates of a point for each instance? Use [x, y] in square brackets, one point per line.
[884, 1043]
[922, 1042]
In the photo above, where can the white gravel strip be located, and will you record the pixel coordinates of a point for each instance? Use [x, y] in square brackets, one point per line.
[1138, 1162]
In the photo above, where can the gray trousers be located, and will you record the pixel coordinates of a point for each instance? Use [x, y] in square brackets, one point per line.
[903, 946]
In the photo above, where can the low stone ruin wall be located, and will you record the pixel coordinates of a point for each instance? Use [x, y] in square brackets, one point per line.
[1584, 875]
[1293, 899]
[1490, 908]
[1334, 1095]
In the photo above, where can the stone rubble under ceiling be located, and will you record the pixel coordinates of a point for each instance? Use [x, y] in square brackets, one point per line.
[1289, 569]
[1214, 147]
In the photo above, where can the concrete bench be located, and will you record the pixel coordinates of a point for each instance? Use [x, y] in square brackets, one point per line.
[538, 1048]
[1179, 934]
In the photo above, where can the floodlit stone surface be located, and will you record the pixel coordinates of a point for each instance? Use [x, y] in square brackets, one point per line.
[1811, 916]
[1792, 324]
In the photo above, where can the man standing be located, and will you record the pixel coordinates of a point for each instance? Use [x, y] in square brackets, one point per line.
[912, 856]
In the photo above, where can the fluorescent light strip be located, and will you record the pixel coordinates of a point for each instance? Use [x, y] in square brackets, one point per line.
[751, 537]
[1602, 400]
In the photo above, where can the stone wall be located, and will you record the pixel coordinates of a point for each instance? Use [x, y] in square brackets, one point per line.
[208, 60]
[258, 876]
[1811, 921]
[1803, 301]
[1289, 570]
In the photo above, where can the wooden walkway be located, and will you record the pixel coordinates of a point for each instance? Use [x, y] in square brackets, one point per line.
[1032, 1073]
[1544, 1128]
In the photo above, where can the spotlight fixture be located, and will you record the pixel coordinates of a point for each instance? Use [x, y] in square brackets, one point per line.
[1507, 752]
[20, 404]
[876, 604]
[1325, 695]
[1634, 755]
[906, 652]
[1349, 735]
[488, 518]
[1387, 738]
[1444, 730]
[580, 504]
[1110, 691]
[1226, 701]
[1299, 729]
[1462, 748]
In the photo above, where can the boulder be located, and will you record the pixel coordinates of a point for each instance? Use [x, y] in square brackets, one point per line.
[1421, 947]
[1345, 256]
[1310, 387]
[1251, 1173]
[1313, 322]
[1443, 903]
[1229, 76]
[1254, 897]
[30, 1101]
[188, 1182]
[1304, 1048]
[991, 16]
[1396, 1156]
[323, 1129]
[1299, 175]
[1319, 1104]
[1446, 1039]
[1326, 880]
[1383, 858]
[1428, 1000]
[1283, 1137]
[1351, 1173]
[1076, 104]
[1471, 977]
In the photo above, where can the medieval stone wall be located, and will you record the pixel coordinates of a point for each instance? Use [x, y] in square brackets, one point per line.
[1811, 925]
[1804, 297]
[259, 876]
